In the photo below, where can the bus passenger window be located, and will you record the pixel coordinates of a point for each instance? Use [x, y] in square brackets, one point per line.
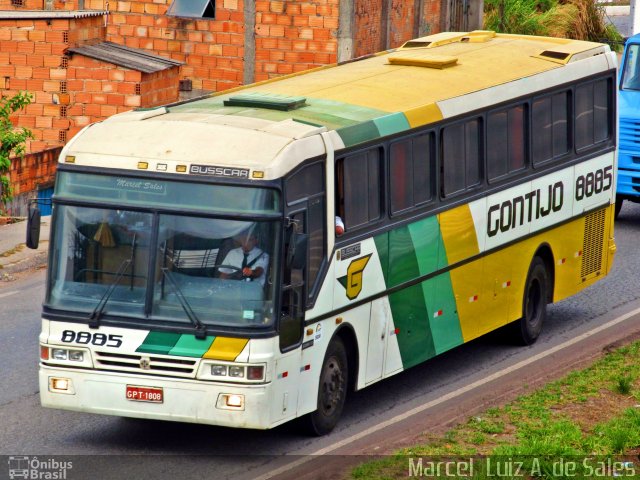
[505, 142]
[550, 126]
[592, 113]
[358, 188]
[461, 157]
[410, 172]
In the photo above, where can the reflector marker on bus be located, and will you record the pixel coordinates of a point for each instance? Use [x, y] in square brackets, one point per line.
[578, 253]
[562, 261]
[283, 375]
[473, 299]
[305, 368]
[506, 284]
[437, 314]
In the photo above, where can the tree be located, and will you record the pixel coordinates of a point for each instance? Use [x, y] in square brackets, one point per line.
[12, 140]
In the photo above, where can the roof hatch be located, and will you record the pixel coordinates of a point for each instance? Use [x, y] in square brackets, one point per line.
[266, 100]
[428, 61]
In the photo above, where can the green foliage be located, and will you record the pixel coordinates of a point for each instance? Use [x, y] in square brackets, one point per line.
[577, 19]
[12, 140]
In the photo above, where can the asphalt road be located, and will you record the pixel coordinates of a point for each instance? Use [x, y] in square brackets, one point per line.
[110, 447]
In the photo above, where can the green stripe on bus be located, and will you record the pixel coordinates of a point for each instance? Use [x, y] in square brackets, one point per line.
[442, 312]
[190, 346]
[391, 124]
[408, 306]
[159, 342]
[410, 319]
[359, 133]
[427, 242]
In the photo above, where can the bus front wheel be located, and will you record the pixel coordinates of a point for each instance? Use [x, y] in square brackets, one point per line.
[534, 304]
[332, 390]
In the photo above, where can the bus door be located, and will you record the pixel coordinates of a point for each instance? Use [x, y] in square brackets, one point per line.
[305, 252]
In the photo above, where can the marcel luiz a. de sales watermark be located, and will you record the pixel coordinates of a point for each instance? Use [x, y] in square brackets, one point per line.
[37, 468]
[526, 467]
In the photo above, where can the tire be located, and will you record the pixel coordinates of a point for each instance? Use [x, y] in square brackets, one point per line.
[332, 390]
[534, 304]
[618, 206]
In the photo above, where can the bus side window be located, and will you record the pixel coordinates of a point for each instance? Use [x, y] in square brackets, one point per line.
[550, 127]
[358, 188]
[410, 177]
[592, 113]
[461, 156]
[292, 308]
[505, 157]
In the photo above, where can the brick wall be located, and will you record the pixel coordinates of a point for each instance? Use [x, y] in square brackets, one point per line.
[295, 35]
[99, 89]
[27, 174]
[32, 58]
[212, 50]
[369, 34]
[380, 24]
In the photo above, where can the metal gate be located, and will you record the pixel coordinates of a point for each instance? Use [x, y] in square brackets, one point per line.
[45, 206]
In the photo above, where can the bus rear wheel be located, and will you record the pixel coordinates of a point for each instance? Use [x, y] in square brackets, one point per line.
[534, 304]
[332, 390]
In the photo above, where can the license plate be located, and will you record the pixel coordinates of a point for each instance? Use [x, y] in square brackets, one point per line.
[144, 394]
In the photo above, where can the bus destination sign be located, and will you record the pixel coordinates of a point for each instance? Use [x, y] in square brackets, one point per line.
[216, 171]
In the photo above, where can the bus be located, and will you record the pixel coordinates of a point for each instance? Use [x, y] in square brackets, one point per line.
[472, 178]
[627, 187]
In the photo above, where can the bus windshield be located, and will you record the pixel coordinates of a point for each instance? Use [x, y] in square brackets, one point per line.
[631, 73]
[148, 265]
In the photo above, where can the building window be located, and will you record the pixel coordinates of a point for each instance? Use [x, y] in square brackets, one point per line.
[192, 8]
[17, 3]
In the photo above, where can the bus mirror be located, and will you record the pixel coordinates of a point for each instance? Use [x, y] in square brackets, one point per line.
[33, 227]
[297, 251]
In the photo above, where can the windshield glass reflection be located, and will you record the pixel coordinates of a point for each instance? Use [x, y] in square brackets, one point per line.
[217, 271]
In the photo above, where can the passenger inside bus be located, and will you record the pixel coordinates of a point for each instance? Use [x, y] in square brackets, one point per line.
[250, 261]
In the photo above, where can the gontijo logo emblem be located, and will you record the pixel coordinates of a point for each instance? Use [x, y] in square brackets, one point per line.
[352, 282]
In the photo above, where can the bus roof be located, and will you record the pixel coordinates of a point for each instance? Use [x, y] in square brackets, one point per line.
[387, 93]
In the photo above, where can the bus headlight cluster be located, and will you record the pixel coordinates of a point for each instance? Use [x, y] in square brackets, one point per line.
[64, 354]
[253, 373]
[68, 356]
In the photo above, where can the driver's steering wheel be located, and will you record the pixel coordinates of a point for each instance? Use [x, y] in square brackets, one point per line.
[236, 274]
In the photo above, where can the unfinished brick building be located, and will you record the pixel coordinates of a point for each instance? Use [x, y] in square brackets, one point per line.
[84, 60]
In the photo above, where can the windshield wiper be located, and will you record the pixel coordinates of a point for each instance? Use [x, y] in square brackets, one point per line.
[94, 318]
[201, 330]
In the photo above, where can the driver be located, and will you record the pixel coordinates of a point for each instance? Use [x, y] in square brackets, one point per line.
[250, 261]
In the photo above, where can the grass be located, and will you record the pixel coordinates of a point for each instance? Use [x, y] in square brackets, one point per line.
[570, 428]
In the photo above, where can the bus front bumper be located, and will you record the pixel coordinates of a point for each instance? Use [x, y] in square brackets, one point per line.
[183, 400]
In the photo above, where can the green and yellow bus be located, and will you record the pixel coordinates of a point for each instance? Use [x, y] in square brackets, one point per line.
[397, 206]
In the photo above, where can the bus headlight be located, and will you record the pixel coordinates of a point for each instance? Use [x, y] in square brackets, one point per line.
[230, 401]
[61, 385]
[219, 370]
[232, 372]
[65, 356]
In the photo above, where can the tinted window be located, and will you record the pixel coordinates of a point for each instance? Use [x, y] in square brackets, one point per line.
[592, 113]
[305, 182]
[549, 117]
[461, 157]
[506, 141]
[358, 196]
[410, 172]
